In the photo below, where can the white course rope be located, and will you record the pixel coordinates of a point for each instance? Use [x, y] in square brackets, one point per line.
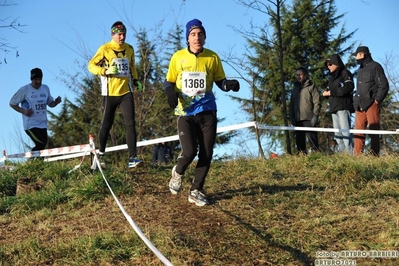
[176, 137]
[321, 129]
[127, 216]
[51, 152]
[63, 153]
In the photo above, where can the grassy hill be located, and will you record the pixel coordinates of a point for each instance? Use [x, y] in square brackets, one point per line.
[290, 210]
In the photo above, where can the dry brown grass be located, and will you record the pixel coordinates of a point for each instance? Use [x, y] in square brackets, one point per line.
[272, 212]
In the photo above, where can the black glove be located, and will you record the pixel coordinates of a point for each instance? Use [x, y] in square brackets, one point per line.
[172, 96]
[231, 85]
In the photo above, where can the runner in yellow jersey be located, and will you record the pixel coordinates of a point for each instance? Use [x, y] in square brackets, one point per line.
[114, 62]
[188, 87]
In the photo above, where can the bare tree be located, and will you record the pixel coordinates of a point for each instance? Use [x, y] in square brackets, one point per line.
[9, 23]
[390, 106]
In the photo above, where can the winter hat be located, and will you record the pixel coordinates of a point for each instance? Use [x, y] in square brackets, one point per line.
[362, 49]
[36, 73]
[332, 59]
[328, 61]
[118, 27]
[194, 24]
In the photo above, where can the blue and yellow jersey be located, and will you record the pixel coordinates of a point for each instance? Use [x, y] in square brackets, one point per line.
[121, 56]
[194, 77]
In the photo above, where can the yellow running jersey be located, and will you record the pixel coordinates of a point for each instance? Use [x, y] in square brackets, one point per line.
[194, 77]
[121, 56]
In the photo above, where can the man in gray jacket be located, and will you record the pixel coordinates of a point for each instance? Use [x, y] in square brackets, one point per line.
[304, 110]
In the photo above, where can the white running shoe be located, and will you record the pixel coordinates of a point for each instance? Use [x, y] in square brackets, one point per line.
[175, 182]
[197, 197]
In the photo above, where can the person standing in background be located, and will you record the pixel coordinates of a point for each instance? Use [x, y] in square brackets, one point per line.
[114, 62]
[371, 89]
[34, 99]
[340, 99]
[304, 110]
[161, 154]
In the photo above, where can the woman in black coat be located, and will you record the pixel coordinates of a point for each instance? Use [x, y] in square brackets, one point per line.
[340, 99]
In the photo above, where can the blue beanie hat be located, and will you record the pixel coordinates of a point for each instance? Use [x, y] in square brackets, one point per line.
[194, 24]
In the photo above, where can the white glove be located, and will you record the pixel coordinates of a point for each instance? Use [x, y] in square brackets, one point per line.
[112, 70]
[313, 121]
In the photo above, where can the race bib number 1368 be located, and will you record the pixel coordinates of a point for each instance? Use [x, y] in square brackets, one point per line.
[194, 83]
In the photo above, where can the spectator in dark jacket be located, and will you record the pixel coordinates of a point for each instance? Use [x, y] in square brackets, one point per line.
[162, 153]
[304, 110]
[340, 99]
[372, 88]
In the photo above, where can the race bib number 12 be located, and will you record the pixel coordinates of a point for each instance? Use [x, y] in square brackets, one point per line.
[194, 83]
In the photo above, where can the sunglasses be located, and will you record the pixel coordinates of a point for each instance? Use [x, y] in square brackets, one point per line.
[329, 64]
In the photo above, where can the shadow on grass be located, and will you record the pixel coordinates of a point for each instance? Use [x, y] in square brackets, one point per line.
[251, 191]
[228, 194]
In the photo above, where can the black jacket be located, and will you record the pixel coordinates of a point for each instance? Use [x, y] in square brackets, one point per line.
[372, 84]
[341, 87]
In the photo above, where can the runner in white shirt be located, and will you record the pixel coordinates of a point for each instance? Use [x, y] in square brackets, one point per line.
[31, 101]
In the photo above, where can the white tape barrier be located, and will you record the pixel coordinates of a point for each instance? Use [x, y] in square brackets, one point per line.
[321, 129]
[51, 152]
[176, 137]
[81, 150]
[70, 152]
[81, 161]
[127, 216]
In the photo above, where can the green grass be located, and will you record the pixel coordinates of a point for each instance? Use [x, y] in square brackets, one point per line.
[263, 212]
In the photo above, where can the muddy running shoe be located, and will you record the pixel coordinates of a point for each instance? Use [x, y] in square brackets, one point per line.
[101, 158]
[135, 162]
[175, 182]
[197, 197]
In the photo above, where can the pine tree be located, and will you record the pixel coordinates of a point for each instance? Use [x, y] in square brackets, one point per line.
[301, 36]
[77, 120]
[154, 118]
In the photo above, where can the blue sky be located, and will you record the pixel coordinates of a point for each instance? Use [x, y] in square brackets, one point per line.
[57, 33]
